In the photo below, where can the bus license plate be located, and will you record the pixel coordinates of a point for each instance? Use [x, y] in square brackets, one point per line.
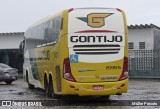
[99, 87]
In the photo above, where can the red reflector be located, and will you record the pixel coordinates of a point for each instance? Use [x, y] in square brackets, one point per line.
[119, 10]
[122, 85]
[70, 10]
[95, 31]
[71, 86]
[76, 89]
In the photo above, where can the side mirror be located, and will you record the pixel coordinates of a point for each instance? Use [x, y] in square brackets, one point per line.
[21, 52]
[21, 47]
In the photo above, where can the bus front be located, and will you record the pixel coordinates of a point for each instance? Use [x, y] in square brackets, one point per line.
[97, 62]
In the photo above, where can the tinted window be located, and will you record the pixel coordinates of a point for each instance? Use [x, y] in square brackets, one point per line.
[131, 45]
[44, 33]
[141, 45]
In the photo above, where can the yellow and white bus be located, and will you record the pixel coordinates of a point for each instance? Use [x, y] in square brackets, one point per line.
[80, 51]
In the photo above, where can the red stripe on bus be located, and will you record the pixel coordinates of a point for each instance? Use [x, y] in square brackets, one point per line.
[95, 31]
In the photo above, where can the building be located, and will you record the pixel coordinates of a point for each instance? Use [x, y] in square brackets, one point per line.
[144, 51]
[9, 48]
[144, 37]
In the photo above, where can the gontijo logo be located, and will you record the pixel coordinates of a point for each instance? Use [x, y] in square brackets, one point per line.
[95, 20]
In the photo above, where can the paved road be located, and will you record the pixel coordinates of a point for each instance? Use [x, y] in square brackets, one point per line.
[138, 90]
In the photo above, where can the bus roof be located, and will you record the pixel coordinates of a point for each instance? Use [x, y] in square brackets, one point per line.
[45, 19]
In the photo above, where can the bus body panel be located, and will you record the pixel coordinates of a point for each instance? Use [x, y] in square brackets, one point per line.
[96, 50]
[86, 89]
[95, 19]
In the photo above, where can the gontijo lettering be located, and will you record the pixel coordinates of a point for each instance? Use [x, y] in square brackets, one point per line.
[117, 38]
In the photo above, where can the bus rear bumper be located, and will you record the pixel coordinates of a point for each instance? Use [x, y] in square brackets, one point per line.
[87, 89]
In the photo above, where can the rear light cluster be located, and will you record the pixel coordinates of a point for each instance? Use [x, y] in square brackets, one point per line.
[5, 72]
[67, 70]
[124, 74]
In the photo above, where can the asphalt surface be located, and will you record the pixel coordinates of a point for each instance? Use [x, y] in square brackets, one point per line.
[139, 89]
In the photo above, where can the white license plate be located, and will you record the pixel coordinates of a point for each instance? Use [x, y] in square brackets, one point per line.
[98, 87]
[13, 77]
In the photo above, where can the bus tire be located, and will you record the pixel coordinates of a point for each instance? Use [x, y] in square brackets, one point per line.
[46, 87]
[53, 95]
[8, 82]
[30, 86]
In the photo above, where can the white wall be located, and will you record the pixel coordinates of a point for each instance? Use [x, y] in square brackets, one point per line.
[156, 39]
[142, 35]
[10, 41]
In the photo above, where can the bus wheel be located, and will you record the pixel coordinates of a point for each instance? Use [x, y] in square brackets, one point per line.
[46, 87]
[30, 86]
[8, 82]
[53, 95]
[49, 93]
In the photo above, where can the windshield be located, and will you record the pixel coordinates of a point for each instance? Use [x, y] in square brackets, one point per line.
[4, 66]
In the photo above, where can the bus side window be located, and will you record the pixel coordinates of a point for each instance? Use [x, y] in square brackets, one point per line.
[56, 26]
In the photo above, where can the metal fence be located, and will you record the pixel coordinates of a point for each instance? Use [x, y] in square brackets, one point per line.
[144, 63]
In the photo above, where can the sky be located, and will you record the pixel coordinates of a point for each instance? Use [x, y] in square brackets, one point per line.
[18, 15]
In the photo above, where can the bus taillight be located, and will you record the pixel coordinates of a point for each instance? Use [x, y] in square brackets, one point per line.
[67, 70]
[124, 74]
